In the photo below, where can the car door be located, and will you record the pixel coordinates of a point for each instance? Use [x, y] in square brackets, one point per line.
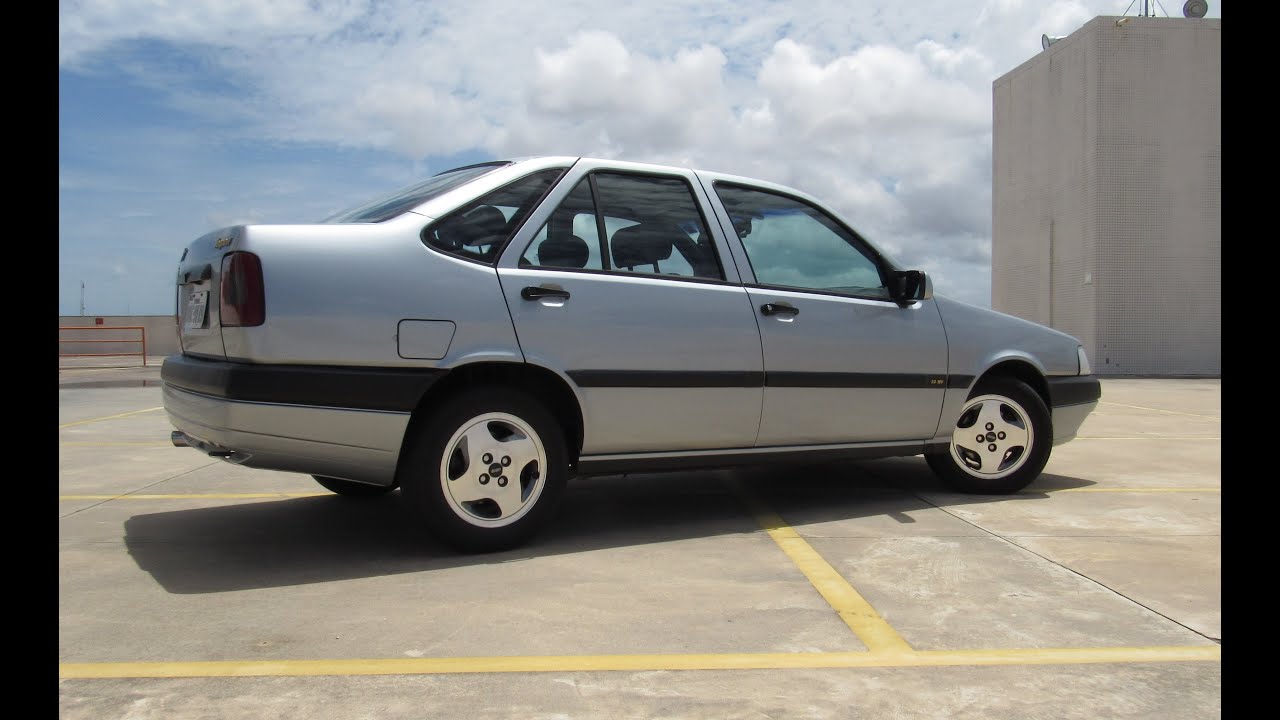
[618, 283]
[843, 362]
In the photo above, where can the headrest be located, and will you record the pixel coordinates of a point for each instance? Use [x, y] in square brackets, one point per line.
[568, 251]
[640, 245]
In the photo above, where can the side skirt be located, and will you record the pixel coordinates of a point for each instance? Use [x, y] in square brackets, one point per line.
[701, 459]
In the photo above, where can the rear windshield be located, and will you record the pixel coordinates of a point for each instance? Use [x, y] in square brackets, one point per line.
[397, 203]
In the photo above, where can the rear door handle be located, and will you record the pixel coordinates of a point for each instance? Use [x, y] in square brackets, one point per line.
[779, 309]
[536, 293]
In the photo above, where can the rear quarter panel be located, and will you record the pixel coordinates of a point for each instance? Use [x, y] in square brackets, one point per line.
[336, 294]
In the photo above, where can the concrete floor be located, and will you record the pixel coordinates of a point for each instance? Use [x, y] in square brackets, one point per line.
[194, 588]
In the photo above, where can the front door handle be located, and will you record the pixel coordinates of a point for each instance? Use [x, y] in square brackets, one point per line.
[779, 309]
[537, 293]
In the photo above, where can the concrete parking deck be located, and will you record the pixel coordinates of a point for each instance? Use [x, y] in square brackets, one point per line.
[190, 587]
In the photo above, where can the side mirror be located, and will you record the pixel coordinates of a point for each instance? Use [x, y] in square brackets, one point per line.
[907, 286]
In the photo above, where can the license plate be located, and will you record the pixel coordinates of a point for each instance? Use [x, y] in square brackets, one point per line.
[196, 309]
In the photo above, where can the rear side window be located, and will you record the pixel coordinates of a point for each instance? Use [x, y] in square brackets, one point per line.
[479, 230]
[571, 238]
[627, 223]
[405, 199]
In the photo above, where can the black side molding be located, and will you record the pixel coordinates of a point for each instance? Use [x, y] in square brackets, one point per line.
[749, 379]
[799, 379]
[666, 378]
[356, 388]
[1073, 390]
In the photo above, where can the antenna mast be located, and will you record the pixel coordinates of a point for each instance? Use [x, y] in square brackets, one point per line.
[1148, 11]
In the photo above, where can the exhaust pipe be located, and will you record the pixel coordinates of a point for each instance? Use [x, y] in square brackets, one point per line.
[181, 439]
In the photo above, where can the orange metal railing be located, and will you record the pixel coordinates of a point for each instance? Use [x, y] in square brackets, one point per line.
[142, 332]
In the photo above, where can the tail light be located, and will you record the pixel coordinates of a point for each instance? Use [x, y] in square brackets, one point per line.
[243, 302]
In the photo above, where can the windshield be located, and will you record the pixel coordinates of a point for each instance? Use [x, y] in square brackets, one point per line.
[397, 203]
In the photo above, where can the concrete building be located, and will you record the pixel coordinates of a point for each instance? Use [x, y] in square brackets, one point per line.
[1107, 220]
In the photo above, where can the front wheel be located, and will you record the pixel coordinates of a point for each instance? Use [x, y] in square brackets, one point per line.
[1000, 442]
[486, 470]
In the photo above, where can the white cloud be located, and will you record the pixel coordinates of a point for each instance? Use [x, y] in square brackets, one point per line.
[882, 109]
[86, 26]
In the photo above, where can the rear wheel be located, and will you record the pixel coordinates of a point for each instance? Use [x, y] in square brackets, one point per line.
[348, 488]
[486, 470]
[1001, 441]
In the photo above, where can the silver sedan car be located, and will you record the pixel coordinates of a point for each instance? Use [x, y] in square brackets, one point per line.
[480, 338]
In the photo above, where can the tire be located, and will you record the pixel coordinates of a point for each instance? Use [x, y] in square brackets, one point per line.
[351, 489]
[1013, 420]
[454, 477]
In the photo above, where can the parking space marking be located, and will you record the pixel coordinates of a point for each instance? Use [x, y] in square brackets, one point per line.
[638, 663]
[1146, 437]
[108, 417]
[1171, 412]
[195, 496]
[1034, 491]
[139, 443]
[259, 496]
[874, 632]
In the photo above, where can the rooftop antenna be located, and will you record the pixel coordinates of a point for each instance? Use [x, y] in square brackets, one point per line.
[1149, 11]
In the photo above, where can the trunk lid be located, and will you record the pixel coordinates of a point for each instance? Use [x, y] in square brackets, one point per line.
[199, 279]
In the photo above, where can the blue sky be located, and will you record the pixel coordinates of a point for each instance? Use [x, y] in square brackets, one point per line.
[177, 118]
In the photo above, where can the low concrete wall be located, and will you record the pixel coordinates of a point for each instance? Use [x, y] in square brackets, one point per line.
[162, 335]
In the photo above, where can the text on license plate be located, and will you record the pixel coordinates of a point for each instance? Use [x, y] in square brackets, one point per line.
[196, 308]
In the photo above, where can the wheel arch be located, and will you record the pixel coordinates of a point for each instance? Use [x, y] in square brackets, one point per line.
[553, 391]
[1019, 369]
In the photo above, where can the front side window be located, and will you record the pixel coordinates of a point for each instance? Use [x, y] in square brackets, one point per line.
[477, 231]
[792, 244]
[627, 223]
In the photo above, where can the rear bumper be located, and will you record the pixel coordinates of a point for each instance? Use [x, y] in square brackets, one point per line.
[347, 424]
[353, 388]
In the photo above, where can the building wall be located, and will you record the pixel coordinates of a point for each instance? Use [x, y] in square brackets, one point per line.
[162, 334]
[1107, 196]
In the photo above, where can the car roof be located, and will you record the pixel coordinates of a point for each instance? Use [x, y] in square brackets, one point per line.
[659, 167]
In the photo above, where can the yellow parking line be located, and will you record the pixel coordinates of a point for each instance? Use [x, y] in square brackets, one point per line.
[635, 663]
[1171, 412]
[874, 632]
[140, 443]
[1125, 490]
[108, 417]
[195, 496]
[781, 531]
[1145, 437]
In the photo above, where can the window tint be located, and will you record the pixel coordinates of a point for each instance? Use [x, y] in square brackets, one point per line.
[652, 225]
[792, 244]
[478, 231]
[405, 199]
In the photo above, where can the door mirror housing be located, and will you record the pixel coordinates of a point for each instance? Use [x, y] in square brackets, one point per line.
[907, 286]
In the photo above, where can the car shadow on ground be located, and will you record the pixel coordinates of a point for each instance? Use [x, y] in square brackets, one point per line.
[298, 541]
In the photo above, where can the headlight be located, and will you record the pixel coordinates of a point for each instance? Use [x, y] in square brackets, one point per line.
[1084, 361]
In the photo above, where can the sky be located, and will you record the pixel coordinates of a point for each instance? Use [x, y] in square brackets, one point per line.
[179, 118]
